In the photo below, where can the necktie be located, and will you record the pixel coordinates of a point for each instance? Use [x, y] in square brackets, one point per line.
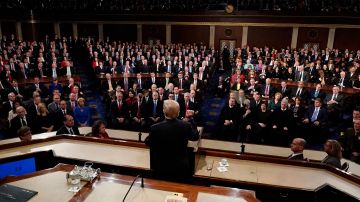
[166, 83]
[176, 98]
[153, 80]
[315, 114]
[154, 108]
[316, 94]
[64, 112]
[139, 81]
[181, 84]
[169, 69]
[267, 90]
[37, 86]
[54, 75]
[23, 122]
[298, 92]
[187, 106]
[126, 85]
[68, 71]
[301, 76]
[71, 131]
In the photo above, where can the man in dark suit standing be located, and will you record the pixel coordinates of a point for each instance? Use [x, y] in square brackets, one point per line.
[154, 112]
[68, 127]
[168, 145]
[297, 147]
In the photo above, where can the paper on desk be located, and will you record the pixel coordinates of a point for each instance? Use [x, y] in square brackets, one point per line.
[224, 164]
[173, 198]
[222, 169]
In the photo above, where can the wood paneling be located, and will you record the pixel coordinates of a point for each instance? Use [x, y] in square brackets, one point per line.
[8, 28]
[86, 30]
[228, 32]
[277, 37]
[28, 31]
[190, 34]
[66, 29]
[122, 32]
[154, 32]
[42, 29]
[313, 35]
[347, 38]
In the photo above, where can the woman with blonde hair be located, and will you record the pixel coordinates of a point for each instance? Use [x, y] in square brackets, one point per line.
[334, 155]
[44, 120]
[82, 113]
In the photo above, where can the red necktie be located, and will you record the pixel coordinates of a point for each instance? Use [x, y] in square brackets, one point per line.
[187, 106]
[180, 83]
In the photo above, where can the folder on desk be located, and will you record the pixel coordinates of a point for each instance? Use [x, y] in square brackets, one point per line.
[15, 194]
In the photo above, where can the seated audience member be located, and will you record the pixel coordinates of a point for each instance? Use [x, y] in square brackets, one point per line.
[276, 102]
[229, 120]
[357, 83]
[44, 121]
[251, 87]
[32, 107]
[315, 121]
[342, 81]
[24, 133]
[12, 113]
[267, 90]
[350, 142]
[22, 119]
[255, 103]
[282, 124]
[298, 110]
[68, 127]
[99, 130]
[300, 91]
[37, 86]
[317, 93]
[335, 98]
[170, 148]
[59, 115]
[297, 147]
[137, 112]
[237, 85]
[185, 105]
[154, 112]
[334, 155]
[259, 123]
[131, 98]
[9, 105]
[241, 99]
[54, 106]
[119, 111]
[82, 113]
[55, 85]
[284, 90]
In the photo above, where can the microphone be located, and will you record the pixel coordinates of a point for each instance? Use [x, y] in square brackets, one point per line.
[139, 134]
[142, 185]
[242, 146]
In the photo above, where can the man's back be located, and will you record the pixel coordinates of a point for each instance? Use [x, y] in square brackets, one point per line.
[168, 149]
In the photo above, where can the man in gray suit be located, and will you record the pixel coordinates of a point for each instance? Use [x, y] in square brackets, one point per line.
[302, 75]
[54, 106]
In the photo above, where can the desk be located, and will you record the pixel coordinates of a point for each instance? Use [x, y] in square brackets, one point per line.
[52, 186]
[111, 154]
[275, 175]
[265, 150]
[244, 169]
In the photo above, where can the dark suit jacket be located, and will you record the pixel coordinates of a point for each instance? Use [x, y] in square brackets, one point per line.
[306, 76]
[116, 113]
[168, 152]
[303, 95]
[320, 95]
[16, 125]
[321, 117]
[332, 161]
[350, 142]
[159, 108]
[339, 99]
[299, 157]
[64, 130]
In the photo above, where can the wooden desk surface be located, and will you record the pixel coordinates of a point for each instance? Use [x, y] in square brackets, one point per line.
[270, 151]
[275, 174]
[252, 169]
[52, 186]
[117, 155]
